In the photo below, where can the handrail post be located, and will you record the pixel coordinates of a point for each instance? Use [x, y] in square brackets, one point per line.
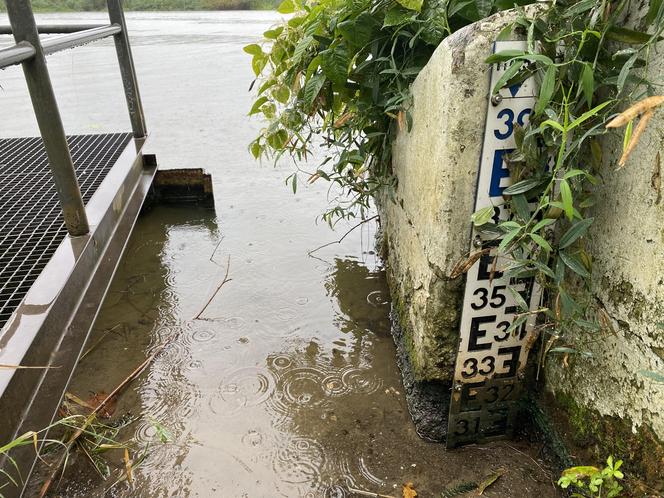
[48, 118]
[127, 69]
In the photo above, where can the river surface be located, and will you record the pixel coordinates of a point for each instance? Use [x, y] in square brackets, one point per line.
[288, 385]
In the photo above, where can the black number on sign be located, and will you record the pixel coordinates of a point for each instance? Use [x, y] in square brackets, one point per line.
[498, 299]
[470, 368]
[509, 388]
[502, 325]
[484, 298]
[497, 295]
[493, 390]
[490, 363]
[465, 426]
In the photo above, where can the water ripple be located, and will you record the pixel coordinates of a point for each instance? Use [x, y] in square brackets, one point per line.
[248, 386]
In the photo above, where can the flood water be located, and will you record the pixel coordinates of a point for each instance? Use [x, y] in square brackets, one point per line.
[288, 385]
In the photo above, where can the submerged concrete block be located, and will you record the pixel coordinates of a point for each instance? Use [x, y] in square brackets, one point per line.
[426, 220]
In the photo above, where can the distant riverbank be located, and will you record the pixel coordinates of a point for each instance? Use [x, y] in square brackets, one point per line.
[96, 5]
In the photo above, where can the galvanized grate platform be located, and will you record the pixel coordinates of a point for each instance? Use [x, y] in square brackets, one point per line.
[31, 223]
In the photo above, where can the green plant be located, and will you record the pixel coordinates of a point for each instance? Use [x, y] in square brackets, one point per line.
[589, 67]
[337, 74]
[590, 482]
[97, 438]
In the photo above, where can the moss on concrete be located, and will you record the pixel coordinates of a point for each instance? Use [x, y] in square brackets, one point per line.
[591, 438]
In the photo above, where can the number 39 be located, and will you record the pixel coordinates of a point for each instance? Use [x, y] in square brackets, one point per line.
[508, 115]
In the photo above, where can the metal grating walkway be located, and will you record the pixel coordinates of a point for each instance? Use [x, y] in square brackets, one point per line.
[31, 224]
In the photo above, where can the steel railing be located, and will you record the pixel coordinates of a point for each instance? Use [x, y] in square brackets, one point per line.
[30, 52]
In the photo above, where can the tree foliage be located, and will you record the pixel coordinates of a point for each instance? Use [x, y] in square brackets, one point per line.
[338, 74]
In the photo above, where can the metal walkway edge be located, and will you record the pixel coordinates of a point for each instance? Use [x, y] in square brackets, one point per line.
[67, 208]
[70, 278]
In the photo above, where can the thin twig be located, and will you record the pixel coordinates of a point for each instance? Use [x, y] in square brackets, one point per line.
[108, 331]
[90, 418]
[367, 493]
[221, 239]
[344, 235]
[225, 280]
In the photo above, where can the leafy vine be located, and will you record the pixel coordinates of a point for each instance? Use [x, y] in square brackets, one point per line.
[337, 74]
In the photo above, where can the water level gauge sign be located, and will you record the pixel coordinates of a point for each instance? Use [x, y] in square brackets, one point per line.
[491, 358]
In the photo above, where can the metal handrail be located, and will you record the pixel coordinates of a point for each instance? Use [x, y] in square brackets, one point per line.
[24, 51]
[53, 45]
[17, 54]
[30, 51]
[52, 29]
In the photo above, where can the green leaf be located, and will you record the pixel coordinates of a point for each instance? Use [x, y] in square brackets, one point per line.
[482, 216]
[543, 223]
[589, 114]
[253, 49]
[256, 108]
[654, 10]
[574, 264]
[508, 238]
[281, 93]
[415, 5]
[625, 35]
[312, 88]
[521, 207]
[546, 90]
[273, 34]
[588, 83]
[258, 63]
[541, 241]
[398, 15]
[504, 55]
[592, 326]
[286, 7]
[358, 31]
[255, 149]
[568, 304]
[553, 124]
[624, 72]
[278, 139]
[334, 63]
[567, 200]
[301, 48]
[518, 299]
[522, 186]
[516, 323]
[628, 134]
[511, 71]
[313, 67]
[574, 232]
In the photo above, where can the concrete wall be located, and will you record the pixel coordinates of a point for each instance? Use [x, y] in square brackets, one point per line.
[426, 228]
[607, 404]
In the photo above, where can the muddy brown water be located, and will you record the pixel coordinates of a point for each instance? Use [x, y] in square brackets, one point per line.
[289, 385]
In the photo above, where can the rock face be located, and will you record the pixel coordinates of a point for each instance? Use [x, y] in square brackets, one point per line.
[426, 227]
